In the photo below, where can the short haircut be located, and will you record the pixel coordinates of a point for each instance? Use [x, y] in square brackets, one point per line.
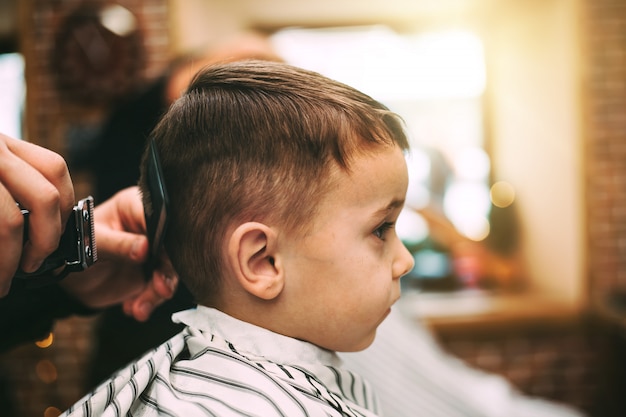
[256, 141]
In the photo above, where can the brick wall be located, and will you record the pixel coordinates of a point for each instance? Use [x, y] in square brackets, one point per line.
[580, 363]
[604, 89]
[54, 112]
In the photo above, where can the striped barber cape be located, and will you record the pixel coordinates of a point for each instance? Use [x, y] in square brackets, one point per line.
[220, 366]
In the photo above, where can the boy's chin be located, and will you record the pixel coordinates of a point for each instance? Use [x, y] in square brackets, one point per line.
[360, 345]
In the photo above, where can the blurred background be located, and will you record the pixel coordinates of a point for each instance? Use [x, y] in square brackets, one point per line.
[517, 199]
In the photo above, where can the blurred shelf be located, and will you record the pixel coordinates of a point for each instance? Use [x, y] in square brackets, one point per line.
[472, 309]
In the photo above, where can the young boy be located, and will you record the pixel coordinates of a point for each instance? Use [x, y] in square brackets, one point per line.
[284, 189]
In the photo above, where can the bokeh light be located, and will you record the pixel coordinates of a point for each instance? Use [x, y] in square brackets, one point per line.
[51, 412]
[47, 342]
[46, 371]
[502, 194]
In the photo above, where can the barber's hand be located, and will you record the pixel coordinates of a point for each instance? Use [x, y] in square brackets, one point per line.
[117, 276]
[39, 180]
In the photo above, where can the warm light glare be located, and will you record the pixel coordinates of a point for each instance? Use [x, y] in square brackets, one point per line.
[46, 371]
[449, 63]
[502, 194]
[390, 66]
[44, 343]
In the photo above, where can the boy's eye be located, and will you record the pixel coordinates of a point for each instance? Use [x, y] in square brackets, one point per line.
[381, 230]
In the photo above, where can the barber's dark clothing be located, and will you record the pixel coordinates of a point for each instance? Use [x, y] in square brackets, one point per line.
[115, 164]
[115, 158]
[28, 315]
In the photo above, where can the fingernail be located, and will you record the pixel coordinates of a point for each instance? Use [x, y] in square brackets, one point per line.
[135, 250]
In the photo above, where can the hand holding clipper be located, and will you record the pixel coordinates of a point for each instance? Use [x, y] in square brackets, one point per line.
[77, 247]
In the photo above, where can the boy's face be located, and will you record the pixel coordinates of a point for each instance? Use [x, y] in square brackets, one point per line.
[342, 277]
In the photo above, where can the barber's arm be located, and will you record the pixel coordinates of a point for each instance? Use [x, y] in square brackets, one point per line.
[39, 180]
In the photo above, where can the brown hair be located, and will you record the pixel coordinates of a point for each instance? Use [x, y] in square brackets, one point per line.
[256, 141]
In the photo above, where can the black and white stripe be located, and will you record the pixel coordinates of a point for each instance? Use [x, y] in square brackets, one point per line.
[229, 368]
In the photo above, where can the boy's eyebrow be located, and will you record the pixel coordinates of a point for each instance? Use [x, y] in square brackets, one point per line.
[394, 204]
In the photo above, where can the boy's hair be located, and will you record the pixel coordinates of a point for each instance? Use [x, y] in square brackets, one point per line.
[256, 141]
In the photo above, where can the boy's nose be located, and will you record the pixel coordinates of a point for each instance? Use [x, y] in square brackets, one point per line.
[404, 261]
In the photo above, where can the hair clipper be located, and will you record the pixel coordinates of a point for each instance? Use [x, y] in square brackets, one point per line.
[77, 247]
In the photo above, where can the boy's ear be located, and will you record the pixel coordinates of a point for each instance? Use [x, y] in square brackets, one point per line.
[251, 253]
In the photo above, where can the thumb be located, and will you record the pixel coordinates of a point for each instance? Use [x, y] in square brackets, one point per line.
[119, 245]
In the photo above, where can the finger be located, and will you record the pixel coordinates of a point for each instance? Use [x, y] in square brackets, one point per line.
[119, 225]
[130, 210]
[164, 285]
[50, 165]
[115, 244]
[11, 236]
[159, 289]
